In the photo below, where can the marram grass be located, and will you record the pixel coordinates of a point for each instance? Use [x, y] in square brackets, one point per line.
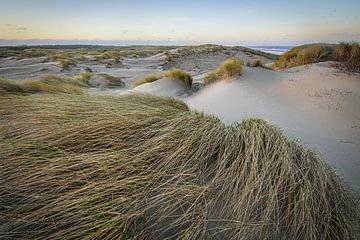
[231, 68]
[144, 167]
[46, 84]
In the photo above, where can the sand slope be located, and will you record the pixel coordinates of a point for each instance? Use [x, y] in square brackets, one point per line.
[315, 103]
[163, 87]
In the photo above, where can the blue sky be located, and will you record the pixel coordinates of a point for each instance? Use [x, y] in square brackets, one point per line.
[230, 22]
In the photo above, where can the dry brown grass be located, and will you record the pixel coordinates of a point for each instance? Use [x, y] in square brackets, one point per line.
[229, 69]
[143, 167]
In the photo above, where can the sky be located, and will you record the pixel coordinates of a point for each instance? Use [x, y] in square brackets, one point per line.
[179, 22]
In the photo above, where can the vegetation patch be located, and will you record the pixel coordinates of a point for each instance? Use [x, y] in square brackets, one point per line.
[145, 167]
[180, 75]
[112, 82]
[346, 56]
[45, 84]
[229, 69]
[148, 79]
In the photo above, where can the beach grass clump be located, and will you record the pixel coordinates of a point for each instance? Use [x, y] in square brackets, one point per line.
[147, 79]
[108, 54]
[112, 81]
[348, 56]
[231, 68]
[345, 55]
[306, 54]
[66, 63]
[46, 84]
[146, 167]
[180, 75]
[257, 63]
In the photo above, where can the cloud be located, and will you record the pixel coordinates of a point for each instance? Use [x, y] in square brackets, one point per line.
[21, 28]
[8, 24]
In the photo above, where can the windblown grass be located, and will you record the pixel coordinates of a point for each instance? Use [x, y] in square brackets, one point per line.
[108, 54]
[229, 69]
[180, 75]
[66, 63]
[143, 167]
[257, 63]
[46, 84]
[306, 54]
[348, 56]
[148, 79]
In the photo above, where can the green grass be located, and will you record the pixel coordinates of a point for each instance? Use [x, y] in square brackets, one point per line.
[45, 84]
[148, 79]
[180, 75]
[144, 167]
[231, 68]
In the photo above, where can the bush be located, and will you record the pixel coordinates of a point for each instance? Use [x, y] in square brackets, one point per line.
[144, 167]
[148, 79]
[180, 75]
[229, 69]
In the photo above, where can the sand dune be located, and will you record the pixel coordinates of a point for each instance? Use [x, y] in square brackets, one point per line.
[315, 103]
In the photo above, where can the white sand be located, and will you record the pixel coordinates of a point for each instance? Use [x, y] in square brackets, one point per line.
[315, 104]
[163, 87]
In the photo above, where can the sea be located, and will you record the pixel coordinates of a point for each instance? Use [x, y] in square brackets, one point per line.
[278, 50]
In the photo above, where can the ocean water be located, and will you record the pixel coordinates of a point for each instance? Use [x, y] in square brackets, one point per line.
[278, 50]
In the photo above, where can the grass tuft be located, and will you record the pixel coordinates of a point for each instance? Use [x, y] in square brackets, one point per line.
[348, 56]
[257, 63]
[66, 63]
[112, 82]
[148, 79]
[229, 69]
[45, 84]
[145, 167]
[180, 75]
[306, 54]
